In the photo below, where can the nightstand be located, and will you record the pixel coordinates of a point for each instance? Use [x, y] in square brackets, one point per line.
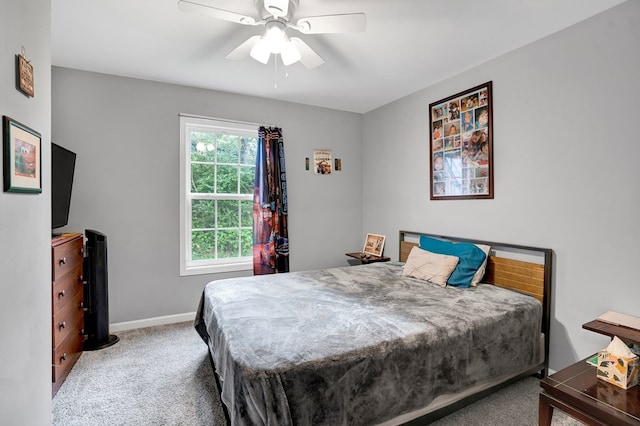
[578, 392]
[369, 259]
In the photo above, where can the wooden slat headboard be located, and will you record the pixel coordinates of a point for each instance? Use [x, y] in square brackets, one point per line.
[518, 275]
[525, 277]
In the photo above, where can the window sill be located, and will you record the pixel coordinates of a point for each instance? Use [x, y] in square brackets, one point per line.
[215, 269]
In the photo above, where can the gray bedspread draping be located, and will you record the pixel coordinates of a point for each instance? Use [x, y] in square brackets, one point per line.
[358, 344]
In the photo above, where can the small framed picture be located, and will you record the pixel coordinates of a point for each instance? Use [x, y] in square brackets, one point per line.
[24, 75]
[22, 157]
[322, 162]
[373, 245]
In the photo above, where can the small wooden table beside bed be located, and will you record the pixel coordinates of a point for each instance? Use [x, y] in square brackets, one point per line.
[373, 344]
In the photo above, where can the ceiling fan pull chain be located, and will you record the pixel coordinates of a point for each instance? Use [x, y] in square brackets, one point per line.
[275, 71]
[286, 68]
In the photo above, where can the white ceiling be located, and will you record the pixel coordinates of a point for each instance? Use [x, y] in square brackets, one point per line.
[408, 44]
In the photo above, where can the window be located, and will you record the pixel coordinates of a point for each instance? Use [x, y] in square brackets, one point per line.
[216, 193]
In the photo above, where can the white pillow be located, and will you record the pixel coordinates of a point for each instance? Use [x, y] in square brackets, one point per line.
[477, 277]
[433, 267]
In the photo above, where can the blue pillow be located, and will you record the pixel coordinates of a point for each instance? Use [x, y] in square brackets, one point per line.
[470, 255]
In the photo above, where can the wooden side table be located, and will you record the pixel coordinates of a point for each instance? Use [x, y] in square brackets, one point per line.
[578, 392]
[370, 259]
[626, 334]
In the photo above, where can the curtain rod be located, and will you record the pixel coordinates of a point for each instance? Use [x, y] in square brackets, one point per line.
[225, 120]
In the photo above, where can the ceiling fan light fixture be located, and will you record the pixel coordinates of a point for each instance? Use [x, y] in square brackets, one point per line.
[275, 37]
[260, 51]
[290, 54]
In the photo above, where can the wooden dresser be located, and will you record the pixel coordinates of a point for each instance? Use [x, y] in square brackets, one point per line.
[67, 304]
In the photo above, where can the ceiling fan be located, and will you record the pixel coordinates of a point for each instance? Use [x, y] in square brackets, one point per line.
[277, 16]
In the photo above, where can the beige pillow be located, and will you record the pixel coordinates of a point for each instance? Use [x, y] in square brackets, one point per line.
[433, 267]
[477, 277]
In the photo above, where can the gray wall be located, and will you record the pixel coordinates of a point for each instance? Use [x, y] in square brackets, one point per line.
[25, 228]
[566, 151]
[126, 135]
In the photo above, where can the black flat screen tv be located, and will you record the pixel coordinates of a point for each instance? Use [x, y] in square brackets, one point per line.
[63, 163]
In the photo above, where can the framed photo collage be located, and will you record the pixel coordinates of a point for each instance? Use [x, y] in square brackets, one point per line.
[462, 145]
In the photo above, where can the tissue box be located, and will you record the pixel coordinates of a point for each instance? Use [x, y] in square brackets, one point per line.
[621, 372]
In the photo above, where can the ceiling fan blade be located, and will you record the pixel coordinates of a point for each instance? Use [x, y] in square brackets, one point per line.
[243, 50]
[200, 7]
[332, 24]
[277, 8]
[308, 57]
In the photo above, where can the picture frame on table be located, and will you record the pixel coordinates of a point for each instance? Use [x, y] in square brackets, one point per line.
[461, 145]
[22, 157]
[374, 245]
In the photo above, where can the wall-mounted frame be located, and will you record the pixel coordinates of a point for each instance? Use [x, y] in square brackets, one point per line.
[374, 245]
[22, 149]
[24, 75]
[322, 162]
[461, 145]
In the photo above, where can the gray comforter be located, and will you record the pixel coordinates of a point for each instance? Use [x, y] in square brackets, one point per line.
[358, 344]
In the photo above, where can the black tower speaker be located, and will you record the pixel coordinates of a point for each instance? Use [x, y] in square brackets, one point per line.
[96, 295]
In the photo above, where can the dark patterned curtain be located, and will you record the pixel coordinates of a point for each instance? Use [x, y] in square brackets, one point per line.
[270, 235]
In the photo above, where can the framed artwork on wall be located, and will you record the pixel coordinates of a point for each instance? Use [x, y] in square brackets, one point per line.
[374, 245]
[22, 157]
[322, 161]
[24, 75]
[461, 145]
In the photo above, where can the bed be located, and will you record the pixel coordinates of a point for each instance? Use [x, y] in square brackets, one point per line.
[373, 344]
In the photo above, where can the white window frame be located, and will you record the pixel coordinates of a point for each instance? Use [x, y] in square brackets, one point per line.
[188, 266]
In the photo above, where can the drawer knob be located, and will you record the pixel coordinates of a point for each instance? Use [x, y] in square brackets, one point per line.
[63, 261]
[81, 305]
[63, 357]
[63, 325]
[61, 294]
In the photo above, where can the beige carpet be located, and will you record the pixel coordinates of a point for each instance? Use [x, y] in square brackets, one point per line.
[162, 376]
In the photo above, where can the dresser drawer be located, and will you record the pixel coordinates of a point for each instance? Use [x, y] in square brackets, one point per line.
[64, 320]
[65, 289]
[67, 311]
[67, 353]
[66, 257]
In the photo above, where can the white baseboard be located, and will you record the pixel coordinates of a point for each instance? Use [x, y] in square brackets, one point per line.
[148, 322]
